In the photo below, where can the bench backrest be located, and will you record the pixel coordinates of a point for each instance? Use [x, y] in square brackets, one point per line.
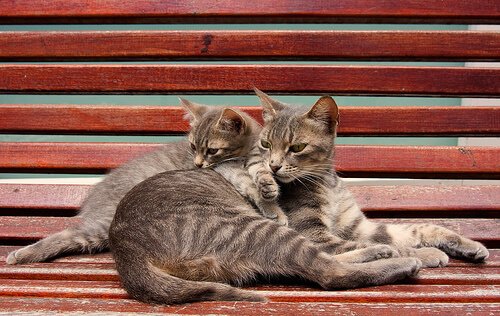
[22, 202]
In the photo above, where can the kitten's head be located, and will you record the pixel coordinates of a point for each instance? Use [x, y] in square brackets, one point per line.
[297, 143]
[219, 134]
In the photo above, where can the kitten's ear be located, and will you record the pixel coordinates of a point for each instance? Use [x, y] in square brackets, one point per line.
[269, 106]
[326, 111]
[231, 121]
[194, 111]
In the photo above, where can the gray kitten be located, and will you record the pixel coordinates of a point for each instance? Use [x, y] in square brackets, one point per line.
[178, 235]
[298, 147]
[99, 206]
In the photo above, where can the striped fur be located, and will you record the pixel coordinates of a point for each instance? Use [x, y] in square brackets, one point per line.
[99, 206]
[183, 236]
[320, 207]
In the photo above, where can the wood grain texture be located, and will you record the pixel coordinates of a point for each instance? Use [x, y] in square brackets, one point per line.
[260, 11]
[158, 120]
[301, 79]
[250, 45]
[472, 275]
[381, 294]
[453, 200]
[14, 227]
[350, 160]
[68, 305]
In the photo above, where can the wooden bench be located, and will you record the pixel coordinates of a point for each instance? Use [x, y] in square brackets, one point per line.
[89, 283]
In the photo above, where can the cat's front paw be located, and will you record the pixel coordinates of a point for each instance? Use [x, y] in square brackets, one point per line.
[268, 188]
[431, 257]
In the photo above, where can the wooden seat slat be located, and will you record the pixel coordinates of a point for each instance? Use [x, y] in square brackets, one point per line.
[274, 45]
[394, 294]
[106, 272]
[259, 11]
[236, 79]
[384, 198]
[157, 120]
[350, 160]
[67, 305]
[14, 227]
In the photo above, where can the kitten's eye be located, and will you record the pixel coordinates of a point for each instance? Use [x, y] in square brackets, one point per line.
[297, 147]
[265, 144]
[193, 147]
[212, 151]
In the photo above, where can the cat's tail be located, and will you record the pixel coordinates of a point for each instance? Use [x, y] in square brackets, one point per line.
[148, 283]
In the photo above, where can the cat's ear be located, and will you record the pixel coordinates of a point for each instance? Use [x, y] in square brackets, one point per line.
[231, 121]
[269, 106]
[326, 111]
[194, 111]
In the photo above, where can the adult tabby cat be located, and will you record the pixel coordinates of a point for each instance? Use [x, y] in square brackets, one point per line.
[176, 237]
[298, 146]
[216, 135]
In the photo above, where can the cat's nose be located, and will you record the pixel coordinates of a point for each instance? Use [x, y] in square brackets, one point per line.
[275, 168]
[198, 164]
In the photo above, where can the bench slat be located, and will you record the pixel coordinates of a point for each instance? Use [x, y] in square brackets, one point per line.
[351, 160]
[301, 79]
[381, 294]
[477, 275]
[393, 199]
[155, 120]
[66, 305]
[275, 45]
[260, 11]
[14, 227]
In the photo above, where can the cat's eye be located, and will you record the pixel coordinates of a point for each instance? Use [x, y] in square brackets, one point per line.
[193, 147]
[297, 147]
[212, 151]
[265, 144]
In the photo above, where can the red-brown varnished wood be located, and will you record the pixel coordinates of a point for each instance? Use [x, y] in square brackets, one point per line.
[14, 227]
[275, 45]
[453, 200]
[260, 11]
[67, 305]
[350, 160]
[301, 79]
[471, 275]
[381, 294]
[152, 120]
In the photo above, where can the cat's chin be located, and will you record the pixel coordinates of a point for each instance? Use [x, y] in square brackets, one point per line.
[284, 179]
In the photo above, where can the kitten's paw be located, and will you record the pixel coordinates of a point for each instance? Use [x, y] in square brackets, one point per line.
[475, 252]
[22, 255]
[466, 249]
[282, 220]
[11, 258]
[384, 252]
[268, 188]
[431, 257]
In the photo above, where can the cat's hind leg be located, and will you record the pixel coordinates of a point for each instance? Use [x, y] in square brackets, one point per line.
[429, 235]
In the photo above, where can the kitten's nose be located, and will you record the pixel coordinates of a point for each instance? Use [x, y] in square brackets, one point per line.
[198, 164]
[275, 168]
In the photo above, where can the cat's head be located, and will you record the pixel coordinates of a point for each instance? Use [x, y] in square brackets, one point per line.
[218, 134]
[297, 143]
